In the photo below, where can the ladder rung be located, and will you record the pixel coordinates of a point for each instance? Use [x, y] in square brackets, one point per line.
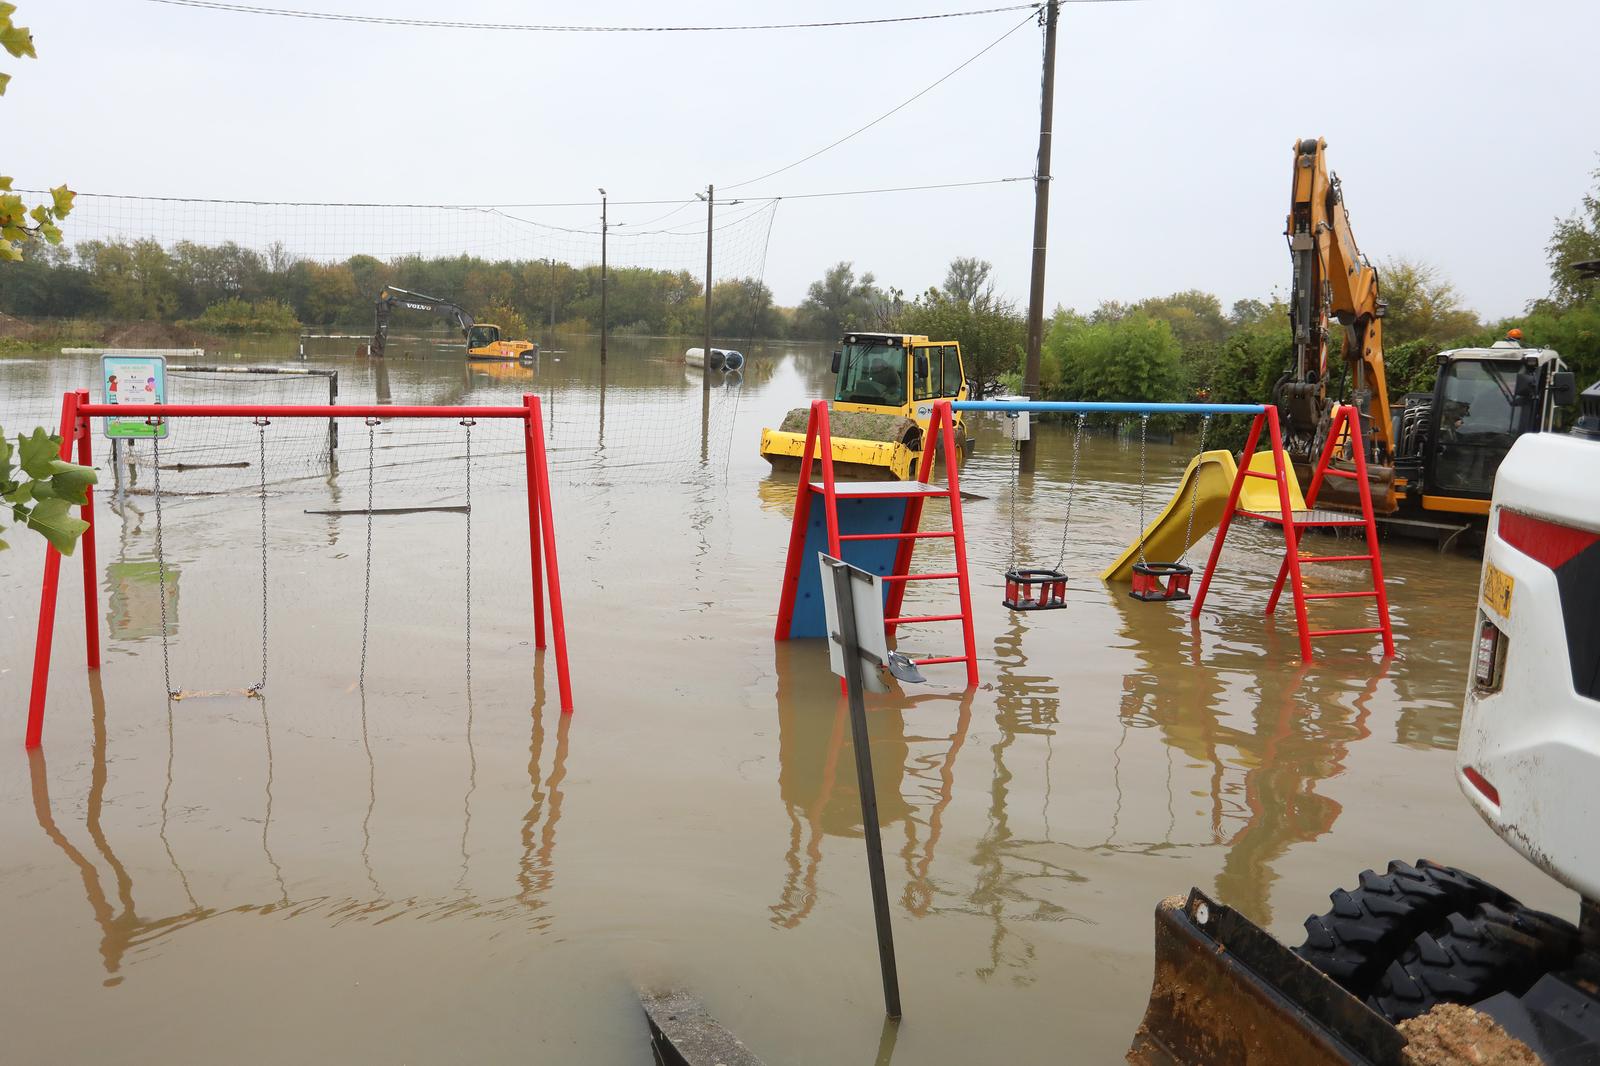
[911, 619]
[1331, 472]
[1343, 632]
[937, 659]
[895, 536]
[1334, 558]
[1338, 595]
[1260, 474]
[951, 576]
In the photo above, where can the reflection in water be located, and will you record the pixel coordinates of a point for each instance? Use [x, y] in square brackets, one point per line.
[123, 928]
[1261, 740]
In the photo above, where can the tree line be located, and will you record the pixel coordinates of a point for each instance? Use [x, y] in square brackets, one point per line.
[1162, 348]
[231, 288]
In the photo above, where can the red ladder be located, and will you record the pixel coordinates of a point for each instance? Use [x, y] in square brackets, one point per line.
[940, 437]
[1345, 427]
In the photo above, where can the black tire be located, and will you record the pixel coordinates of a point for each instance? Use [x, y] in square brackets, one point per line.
[1482, 953]
[1366, 930]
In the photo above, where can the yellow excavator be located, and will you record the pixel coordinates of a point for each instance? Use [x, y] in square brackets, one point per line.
[1431, 457]
[882, 402]
[483, 338]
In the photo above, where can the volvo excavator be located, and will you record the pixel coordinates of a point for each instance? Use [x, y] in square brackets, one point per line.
[483, 338]
[1432, 456]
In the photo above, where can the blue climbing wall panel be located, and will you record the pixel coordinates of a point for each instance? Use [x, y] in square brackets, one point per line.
[873, 556]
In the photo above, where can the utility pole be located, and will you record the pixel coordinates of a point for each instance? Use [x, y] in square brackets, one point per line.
[710, 193]
[603, 278]
[1041, 225]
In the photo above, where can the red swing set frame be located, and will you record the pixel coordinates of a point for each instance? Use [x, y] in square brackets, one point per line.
[76, 433]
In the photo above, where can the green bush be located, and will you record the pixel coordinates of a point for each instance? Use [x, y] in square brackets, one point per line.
[234, 315]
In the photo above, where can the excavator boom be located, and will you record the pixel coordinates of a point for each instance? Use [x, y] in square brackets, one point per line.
[392, 297]
[1333, 282]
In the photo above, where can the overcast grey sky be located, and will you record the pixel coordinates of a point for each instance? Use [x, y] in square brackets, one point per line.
[1461, 128]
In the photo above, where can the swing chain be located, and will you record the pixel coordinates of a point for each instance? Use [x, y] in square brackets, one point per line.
[1194, 492]
[1144, 426]
[469, 423]
[1072, 485]
[366, 591]
[261, 425]
[161, 562]
[1016, 477]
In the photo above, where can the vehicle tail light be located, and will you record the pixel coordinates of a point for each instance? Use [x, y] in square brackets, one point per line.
[1489, 657]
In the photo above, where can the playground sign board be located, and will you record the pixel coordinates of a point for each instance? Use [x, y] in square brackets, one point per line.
[867, 610]
[134, 378]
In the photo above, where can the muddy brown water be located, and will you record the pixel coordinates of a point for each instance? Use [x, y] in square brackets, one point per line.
[406, 874]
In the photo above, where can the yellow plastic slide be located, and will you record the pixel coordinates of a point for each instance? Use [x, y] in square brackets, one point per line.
[1209, 479]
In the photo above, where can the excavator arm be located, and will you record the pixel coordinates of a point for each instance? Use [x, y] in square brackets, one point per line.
[391, 298]
[1333, 282]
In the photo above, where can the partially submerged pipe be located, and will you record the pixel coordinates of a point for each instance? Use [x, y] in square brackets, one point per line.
[723, 359]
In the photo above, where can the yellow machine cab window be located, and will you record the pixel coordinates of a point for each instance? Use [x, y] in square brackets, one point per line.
[482, 336]
[872, 372]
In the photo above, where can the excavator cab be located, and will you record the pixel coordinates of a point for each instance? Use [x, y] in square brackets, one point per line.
[1483, 400]
[482, 336]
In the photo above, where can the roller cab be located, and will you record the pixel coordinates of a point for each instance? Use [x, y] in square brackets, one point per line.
[885, 385]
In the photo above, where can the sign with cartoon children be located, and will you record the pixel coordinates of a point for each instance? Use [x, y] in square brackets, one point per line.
[131, 378]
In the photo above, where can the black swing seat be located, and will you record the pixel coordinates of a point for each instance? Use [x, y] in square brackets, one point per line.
[1035, 590]
[1160, 582]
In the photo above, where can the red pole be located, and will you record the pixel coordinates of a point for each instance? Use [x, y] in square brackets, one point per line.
[1367, 516]
[1227, 512]
[91, 571]
[47, 598]
[547, 521]
[1290, 539]
[797, 531]
[533, 522]
[829, 493]
[944, 418]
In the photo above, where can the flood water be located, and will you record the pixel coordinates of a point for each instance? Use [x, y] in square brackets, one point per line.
[426, 870]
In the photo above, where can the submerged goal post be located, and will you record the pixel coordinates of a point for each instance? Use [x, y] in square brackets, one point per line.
[76, 434]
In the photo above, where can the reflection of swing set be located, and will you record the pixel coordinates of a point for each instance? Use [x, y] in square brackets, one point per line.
[76, 432]
[1029, 589]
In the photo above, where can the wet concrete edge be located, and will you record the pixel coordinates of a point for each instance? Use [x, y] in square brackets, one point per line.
[682, 1033]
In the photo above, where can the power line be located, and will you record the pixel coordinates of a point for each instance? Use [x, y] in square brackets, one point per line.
[447, 24]
[1032, 13]
[504, 207]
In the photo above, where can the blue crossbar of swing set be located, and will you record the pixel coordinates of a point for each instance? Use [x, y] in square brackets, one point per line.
[1088, 407]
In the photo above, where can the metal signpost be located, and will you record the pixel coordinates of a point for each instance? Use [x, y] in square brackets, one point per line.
[853, 600]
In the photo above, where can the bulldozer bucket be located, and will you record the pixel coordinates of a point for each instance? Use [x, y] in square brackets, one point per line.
[1227, 994]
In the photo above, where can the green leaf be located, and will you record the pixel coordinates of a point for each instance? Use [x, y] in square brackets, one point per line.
[5, 183]
[54, 521]
[38, 452]
[18, 41]
[5, 79]
[7, 10]
[62, 197]
[71, 482]
[22, 493]
[7, 449]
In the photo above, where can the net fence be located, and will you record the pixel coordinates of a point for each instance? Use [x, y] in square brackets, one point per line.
[221, 275]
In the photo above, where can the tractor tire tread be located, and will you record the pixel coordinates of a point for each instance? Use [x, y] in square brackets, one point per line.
[1487, 950]
[1368, 927]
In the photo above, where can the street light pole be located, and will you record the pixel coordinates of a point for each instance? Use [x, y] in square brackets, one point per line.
[602, 277]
